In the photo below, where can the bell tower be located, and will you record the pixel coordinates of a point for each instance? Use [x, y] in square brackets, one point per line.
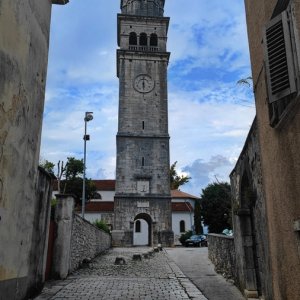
[142, 173]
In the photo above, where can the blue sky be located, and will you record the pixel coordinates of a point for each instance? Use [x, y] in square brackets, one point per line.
[209, 114]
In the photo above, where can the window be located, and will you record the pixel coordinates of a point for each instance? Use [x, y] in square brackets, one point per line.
[143, 125]
[182, 226]
[153, 40]
[137, 226]
[132, 38]
[280, 65]
[143, 161]
[143, 39]
[97, 196]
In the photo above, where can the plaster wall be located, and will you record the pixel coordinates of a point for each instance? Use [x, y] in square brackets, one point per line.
[24, 40]
[105, 196]
[176, 218]
[280, 159]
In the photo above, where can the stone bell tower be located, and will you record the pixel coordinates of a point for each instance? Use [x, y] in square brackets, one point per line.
[142, 174]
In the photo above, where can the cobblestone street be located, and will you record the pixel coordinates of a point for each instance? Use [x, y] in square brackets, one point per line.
[155, 277]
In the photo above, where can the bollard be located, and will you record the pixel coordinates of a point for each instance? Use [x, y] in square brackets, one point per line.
[137, 256]
[120, 261]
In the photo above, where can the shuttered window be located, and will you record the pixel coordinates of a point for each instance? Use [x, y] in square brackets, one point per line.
[279, 58]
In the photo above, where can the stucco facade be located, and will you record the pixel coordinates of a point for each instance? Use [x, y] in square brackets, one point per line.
[278, 131]
[24, 190]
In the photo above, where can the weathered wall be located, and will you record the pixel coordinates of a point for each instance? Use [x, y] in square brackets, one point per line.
[221, 252]
[24, 40]
[280, 159]
[87, 241]
[250, 220]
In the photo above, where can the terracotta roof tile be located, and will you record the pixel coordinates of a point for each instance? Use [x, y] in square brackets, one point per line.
[182, 206]
[101, 206]
[105, 185]
[180, 194]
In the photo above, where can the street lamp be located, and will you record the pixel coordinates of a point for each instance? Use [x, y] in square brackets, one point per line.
[86, 137]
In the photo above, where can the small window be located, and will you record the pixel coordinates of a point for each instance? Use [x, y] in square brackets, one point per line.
[182, 226]
[143, 125]
[138, 226]
[143, 161]
[132, 38]
[153, 40]
[143, 39]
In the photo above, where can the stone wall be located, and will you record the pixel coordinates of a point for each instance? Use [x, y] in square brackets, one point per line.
[221, 252]
[87, 241]
[250, 222]
[76, 239]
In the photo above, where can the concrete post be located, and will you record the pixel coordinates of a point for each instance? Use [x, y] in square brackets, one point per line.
[62, 245]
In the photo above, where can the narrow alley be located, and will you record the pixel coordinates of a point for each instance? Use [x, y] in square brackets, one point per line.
[155, 276]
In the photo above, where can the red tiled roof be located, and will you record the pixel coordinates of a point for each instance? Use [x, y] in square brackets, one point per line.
[180, 194]
[101, 185]
[105, 185]
[182, 206]
[101, 206]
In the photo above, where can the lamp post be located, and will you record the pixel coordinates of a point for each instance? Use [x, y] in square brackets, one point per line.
[88, 117]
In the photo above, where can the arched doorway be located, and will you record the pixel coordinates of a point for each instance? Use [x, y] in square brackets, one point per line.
[142, 230]
[249, 236]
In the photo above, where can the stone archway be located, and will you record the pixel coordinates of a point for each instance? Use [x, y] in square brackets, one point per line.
[142, 230]
[249, 237]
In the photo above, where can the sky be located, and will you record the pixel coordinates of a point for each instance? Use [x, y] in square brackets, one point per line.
[209, 113]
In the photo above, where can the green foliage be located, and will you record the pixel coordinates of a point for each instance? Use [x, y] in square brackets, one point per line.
[176, 180]
[185, 236]
[74, 168]
[216, 207]
[48, 166]
[53, 202]
[102, 225]
[198, 218]
[74, 187]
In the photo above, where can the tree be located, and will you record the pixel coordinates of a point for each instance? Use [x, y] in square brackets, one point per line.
[198, 218]
[216, 206]
[48, 166]
[69, 178]
[176, 180]
[72, 183]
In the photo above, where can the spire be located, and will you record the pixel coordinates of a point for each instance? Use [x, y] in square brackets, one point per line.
[149, 8]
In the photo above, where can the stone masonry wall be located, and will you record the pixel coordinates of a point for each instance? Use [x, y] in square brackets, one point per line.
[87, 241]
[221, 252]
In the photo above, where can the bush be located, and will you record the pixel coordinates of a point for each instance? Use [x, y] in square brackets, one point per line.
[102, 225]
[185, 236]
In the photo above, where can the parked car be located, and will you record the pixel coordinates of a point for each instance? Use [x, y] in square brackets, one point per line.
[196, 241]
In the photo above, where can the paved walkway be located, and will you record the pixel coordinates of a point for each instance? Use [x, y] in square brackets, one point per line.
[195, 264]
[154, 278]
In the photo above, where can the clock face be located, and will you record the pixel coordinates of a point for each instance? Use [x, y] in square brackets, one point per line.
[143, 83]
